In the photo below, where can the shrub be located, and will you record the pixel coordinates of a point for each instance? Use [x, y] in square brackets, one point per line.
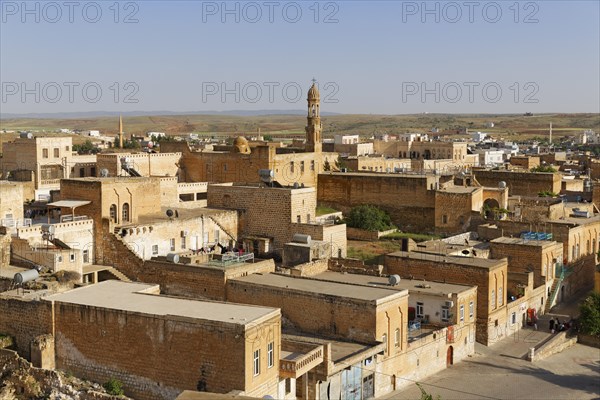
[589, 318]
[114, 387]
[369, 218]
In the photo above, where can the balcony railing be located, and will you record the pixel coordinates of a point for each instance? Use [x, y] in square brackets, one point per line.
[15, 223]
[301, 364]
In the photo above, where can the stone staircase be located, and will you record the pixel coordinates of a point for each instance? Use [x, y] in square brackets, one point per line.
[222, 228]
[118, 274]
[553, 292]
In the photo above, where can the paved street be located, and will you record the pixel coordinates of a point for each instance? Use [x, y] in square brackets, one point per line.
[498, 372]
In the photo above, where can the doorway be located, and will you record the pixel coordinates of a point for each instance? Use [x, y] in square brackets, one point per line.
[450, 356]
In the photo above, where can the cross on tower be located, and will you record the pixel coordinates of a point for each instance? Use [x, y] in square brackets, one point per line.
[314, 81]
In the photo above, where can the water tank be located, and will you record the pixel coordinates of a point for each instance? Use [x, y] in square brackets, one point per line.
[48, 228]
[26, 135]
[26, 276]
[393, 280]
[172, 257]
[300, 238]
[266, 175]
[501, 185]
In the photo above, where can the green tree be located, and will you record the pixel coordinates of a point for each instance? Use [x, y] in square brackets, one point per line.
[268, 138]
[370, 218]
[86, 148]
[340, 163]
[589, 314]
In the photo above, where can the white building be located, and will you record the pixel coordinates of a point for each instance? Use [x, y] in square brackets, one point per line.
[478, 136]
[94, 133]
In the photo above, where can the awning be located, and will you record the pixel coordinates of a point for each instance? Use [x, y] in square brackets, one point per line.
[69, 203]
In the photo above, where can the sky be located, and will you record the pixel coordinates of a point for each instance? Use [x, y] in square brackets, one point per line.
[368, 57]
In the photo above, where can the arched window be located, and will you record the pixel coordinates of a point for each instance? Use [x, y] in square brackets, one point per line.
[113, 212]
[125, 213]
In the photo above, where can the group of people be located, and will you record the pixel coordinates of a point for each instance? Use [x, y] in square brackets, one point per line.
[557, 326]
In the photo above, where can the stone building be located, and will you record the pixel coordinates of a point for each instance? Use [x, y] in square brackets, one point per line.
[542, 257]
[143, 212]
[421, 148]
[11, 206]
[370, 320]
[156, 345]
[520, 183]
[417, 203]
[242, 161]
[139, 164]
[44, 160]
[490, 277]
[270, 216]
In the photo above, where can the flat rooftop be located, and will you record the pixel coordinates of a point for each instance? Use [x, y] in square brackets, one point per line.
[466, 261]
[383, 174]
[524, 242]
[136, 297]
[413, 286]
[313, 286]
[461, 189]
[182, 214]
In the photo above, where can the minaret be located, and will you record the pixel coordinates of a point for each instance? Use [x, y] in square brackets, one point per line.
[120, 131]
[550, 139]
[313, 126]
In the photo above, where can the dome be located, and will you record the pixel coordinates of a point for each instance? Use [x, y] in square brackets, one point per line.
[241, 145]
[313, 92]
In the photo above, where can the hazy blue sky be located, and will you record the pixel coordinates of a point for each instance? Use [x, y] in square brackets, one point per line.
[388, 57]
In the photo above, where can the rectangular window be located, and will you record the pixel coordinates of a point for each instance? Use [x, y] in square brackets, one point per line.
[183, 244]
[256, 362]
[471, 310]
[45, 153]
[500, 298]
[312, 165]
[301, 166]
[172, 244]
[72, 257]
[291, 166]
[462, 313]
[384, 340]
[288, 386]
[66, 148]
[155, 250]
[420, 311]
[86, 256]
[445, 313]
[493, 300]
[81, 172]
[513, 318]
[56, 153]
[270, 355]
[298, 219]
[397, 338]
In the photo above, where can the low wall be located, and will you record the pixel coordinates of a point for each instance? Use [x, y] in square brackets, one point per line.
[354, 266]
[363, 234]
[310, 268]
[555, 344]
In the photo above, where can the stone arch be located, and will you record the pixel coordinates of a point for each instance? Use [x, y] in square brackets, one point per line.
[489, 205]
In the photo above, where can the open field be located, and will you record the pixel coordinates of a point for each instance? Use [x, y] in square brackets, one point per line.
[510, 127]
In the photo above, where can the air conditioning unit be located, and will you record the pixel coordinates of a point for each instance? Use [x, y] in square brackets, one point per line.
[184, 233]
[449, 303]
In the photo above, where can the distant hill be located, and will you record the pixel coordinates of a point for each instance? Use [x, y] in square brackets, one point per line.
[93, 114]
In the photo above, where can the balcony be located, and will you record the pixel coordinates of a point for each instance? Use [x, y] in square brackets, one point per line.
[294, 365]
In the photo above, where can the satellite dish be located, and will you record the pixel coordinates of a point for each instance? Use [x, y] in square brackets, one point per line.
[170, 213]
[104, 173]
